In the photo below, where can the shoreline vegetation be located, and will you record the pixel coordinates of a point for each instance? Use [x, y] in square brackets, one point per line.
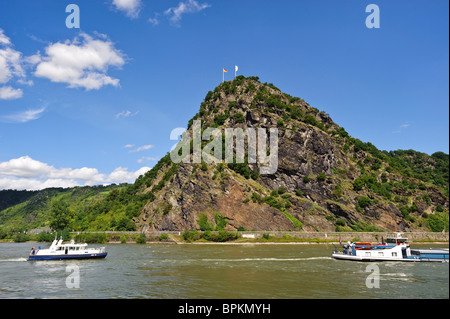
[225, 237]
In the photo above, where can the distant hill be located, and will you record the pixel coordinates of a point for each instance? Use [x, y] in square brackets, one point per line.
[25, 210]
[325, 179]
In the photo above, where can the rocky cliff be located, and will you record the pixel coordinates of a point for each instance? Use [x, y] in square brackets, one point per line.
[325, 179]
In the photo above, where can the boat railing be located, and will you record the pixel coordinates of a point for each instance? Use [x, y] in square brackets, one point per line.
[99, 249]
[373, 246]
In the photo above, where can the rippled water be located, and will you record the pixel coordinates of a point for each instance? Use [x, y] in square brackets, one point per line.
[215, 271]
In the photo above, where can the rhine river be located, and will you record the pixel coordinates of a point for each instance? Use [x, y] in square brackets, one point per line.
[216, 271]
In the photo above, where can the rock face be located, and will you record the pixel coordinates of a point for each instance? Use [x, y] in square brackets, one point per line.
[325, 180]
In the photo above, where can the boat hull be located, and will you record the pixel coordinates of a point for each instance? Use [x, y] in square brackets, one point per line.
[67, 257]
[379, 259]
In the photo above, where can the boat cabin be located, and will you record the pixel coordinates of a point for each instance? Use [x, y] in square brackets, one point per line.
[396, 240]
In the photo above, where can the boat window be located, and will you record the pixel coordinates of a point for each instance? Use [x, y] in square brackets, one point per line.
[367, 253]
[394, 254]
[380, 253]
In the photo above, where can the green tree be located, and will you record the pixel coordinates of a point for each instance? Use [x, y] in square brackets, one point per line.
[204, 223]
[438, 222]
[221, 221]
[59, 215]
[364, 202]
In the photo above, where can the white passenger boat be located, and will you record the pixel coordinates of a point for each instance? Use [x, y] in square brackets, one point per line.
[395, 249]
[60, 251]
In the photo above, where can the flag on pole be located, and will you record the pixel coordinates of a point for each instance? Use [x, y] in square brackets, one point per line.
[225, 70]
[223, 75]
[235, 70]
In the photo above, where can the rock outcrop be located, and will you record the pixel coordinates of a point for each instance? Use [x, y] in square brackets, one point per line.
[325, 179]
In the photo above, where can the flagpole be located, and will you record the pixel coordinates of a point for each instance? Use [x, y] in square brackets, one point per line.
[223, 75]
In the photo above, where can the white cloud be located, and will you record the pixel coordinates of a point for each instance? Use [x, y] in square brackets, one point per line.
[33, 184]
[24, 167]
[126, 113]
[146, 158]
[25, 116]
[190, 6]
[8, 93]
[10, 67]
[130, 7]
[129, 145]
[27, 173]
[142, 148]
[401, 128]
[3, 38]
[122, 175]
[80, 63]
[154, 21]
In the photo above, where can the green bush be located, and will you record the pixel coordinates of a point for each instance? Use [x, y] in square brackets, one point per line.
[141, 239]
[256, 198]
[20, 237]
[167, 209]
[226, 236]
[364, 202]
[91, 238]
[438, 222]
[220, 236]
[221, 118]
[204, 223]
[239, 117]
[358, 184]
[209, 96]
[46, 237]
[221, 221]
[341, 222]
[254, 174]
[309, 119]
[163, 237]
[191, 235]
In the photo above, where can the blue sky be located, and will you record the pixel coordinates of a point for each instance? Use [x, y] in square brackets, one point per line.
[96, 104]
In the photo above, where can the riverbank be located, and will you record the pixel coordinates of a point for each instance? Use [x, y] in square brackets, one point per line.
[312, 237]
[244, 237]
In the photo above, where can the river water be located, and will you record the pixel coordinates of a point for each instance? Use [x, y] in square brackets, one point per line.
[216, 271]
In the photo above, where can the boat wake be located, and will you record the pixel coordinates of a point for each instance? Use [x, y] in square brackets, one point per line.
[13, 259]
[266, 259]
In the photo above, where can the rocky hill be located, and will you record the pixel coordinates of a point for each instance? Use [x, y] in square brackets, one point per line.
[322, 179]
[325, 180]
